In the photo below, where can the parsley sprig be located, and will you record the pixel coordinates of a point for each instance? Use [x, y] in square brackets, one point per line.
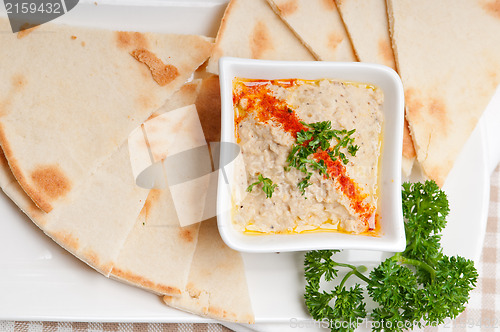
[419, 286]
[267, 185]
[317, 138]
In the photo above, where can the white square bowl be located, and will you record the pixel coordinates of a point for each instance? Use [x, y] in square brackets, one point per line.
[391, 236]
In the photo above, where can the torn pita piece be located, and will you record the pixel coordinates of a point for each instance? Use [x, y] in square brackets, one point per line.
[108, 202]
[217, 286]
[372, 43]
[449, 62]
[59, 121]
[319, 26]
[250, 29]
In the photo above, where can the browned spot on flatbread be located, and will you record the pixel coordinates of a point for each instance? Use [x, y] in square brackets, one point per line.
[26, 29]
[413, 104]
[259, 40]
[408, 148]
[162, 73]
[385, 50]
[83, 44]
[18, 82]
[221, 313]
[51, 180]
[151, 200]
[3, 160]
[92, 258]
[36, 214]
[67, 240]
[189, 88]
[131, 40]
[187, 233]
[73, 37]
[436, 173]
[492, 7]
[16, 171]
[437, 109]
[328, 4]
[289, 7]
[144, 101]
[208, 105]
[138, 280]
[334, 40]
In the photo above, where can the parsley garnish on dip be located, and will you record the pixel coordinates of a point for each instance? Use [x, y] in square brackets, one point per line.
[319, 141]
[267, 186]
[314, 141]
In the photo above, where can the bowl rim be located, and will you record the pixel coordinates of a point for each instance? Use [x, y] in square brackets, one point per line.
[230, 67]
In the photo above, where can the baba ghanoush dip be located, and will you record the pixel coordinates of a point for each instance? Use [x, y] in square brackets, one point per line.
[311, 152]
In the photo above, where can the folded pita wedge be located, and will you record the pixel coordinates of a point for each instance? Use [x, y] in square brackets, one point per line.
[158, 252]
[217, 286]
[318, 25]
[372, 43]
[368, 28]
[96, 218]
[250, 29]
[449, 61]
[208, 105]
[70, 96]
[11, 188]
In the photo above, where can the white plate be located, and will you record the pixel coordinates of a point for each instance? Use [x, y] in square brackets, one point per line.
[41, 281]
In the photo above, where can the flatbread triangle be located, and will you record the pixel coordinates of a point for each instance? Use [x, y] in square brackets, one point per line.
[449, 63]
[371, 40]
[250, 29]
[68, 106]
[317, 23]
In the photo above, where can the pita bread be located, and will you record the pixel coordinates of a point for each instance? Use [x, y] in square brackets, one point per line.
[449, 63]
[372, 43]
[11, 188]
[250, 29]
[108, 202]
[318, 24]
[5, 173]
[208, 105]
[158, 252]
[368, 28]
[217, 286]
[70, 105]
[409, 154]
[186, 95]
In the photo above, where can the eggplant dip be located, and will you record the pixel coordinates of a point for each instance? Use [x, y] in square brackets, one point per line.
[311, 152]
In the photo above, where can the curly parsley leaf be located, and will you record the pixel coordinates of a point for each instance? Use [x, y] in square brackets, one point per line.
[419, 285]
[267, 185]
[425, 208]
[319, 137]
